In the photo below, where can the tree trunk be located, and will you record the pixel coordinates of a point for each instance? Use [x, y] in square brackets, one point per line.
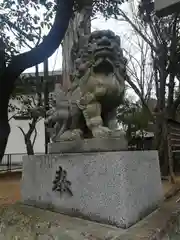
[4, 125]
[4, 133]
[27, 136]
[29, 146]
[170, 101]
[161, 144]
[161, 117]
[28, 59]
[79, 27]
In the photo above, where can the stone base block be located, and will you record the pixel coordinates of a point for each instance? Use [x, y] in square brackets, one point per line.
[117, 188]
[111, 144]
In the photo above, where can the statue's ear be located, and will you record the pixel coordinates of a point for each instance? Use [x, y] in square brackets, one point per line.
[71, 78]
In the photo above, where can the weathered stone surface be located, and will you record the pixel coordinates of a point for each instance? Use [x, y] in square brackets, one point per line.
[20, 222]
[97, 89]
[89, 145]
[117, 188]
[23, 222]
[162, 224]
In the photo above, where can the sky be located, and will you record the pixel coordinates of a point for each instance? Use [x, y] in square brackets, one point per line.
[55, 61]
[121, 28]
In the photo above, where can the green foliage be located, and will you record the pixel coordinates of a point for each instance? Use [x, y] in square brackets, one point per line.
[22, 23]
[146, 9]
[165, 36]
[21, 105]
[31, 109]
[27, 106]
[108, 8]
[133, 117]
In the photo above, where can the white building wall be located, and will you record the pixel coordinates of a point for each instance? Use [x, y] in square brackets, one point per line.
[16, 143]
[16, 148]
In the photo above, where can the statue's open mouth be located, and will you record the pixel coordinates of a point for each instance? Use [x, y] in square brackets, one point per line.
[104, 52]
[103, 66]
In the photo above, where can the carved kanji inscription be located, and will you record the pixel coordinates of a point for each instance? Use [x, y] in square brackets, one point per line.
[60, 183]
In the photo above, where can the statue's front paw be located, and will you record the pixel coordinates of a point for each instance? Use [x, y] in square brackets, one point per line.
[101, 132]
[71, 135]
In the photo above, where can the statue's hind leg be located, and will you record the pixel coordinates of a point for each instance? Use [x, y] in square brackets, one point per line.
[91, 109]
[92, 115]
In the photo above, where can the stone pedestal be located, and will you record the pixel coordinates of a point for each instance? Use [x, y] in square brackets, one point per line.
[117, 188]
[89, 145]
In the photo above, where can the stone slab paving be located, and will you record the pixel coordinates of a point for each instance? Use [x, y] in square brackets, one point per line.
[163, 224]
[23, 222]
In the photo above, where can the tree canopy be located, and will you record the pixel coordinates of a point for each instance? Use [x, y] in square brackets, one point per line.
[17, 16]
[108, 8]
[23, 25]
[162, 36]
[24, 22]
[36, 55]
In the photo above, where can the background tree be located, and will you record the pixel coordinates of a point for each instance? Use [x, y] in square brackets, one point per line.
[23, 24]
[79, 26]
[140, 70]
[139, 67]
[31, 108]
[17, 64]
[162, 35]
[20, 62]
[133, 117]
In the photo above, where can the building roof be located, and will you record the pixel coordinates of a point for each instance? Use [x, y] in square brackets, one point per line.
[41, 74]
[166, 7]
[27, 83]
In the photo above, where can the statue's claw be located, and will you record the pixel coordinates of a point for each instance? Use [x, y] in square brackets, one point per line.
[70, 135]
[101, 132]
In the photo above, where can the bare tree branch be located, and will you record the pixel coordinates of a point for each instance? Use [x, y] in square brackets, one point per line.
[134, 87]
[22, 131]
[12, 25]
[137, 30]
[12, 117]
[35, 136]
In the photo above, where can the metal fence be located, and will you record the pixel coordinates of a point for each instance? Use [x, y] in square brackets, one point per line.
[13, 162]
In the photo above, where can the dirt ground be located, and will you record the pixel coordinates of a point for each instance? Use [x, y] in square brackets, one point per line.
[10, 188]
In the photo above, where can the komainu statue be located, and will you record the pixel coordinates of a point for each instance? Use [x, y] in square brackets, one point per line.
[97, 90]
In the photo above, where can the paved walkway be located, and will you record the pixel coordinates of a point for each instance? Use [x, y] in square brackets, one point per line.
[22, 222]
